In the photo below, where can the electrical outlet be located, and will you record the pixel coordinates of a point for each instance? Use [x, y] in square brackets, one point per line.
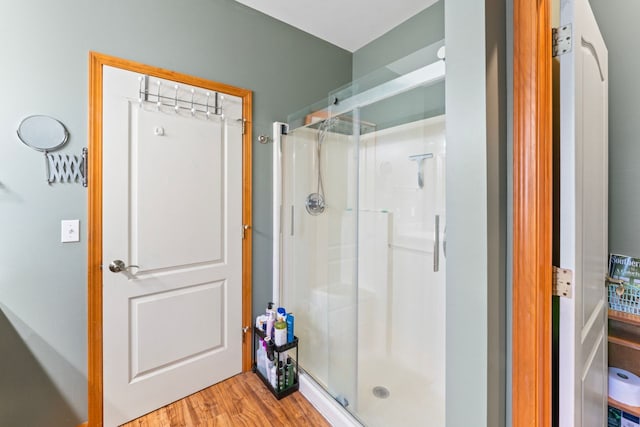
[70, 230]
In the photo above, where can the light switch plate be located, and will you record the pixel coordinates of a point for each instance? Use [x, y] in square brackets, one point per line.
[70, 230]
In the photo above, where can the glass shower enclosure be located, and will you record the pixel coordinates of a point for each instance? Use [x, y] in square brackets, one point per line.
[362, 244]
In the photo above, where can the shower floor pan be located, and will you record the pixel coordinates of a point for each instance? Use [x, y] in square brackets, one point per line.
[391, 395]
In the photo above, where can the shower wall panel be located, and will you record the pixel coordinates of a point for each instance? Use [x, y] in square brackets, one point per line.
[412, 300]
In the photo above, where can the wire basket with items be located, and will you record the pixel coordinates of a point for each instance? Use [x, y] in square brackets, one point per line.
[624, 284]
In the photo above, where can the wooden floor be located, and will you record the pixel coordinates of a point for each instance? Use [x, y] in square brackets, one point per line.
[239, 401]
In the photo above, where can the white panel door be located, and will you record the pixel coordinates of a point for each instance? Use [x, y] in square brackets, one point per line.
[172, 208]
[583, 220]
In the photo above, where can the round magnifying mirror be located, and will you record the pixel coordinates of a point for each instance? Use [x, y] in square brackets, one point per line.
[42, 133]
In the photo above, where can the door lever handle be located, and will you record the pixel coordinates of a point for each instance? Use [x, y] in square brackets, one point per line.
[118, 266]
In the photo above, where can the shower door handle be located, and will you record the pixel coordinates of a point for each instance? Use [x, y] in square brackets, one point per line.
[436, 245]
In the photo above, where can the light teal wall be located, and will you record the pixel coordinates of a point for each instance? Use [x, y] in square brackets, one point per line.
[45, 45]
[370, 61]
[619, 27]
[476, 212]
[421, 30]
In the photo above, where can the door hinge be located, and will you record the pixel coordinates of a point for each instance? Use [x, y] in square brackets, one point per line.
[245, 227]
[243, 121]
[561, 40]
[85, 167]
[562, 280]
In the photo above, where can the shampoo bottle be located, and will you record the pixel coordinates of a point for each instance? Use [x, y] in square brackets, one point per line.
[273, 377]
[270, 322]
[281, 377]
[291, 378]
[290, 327]
[280, 333]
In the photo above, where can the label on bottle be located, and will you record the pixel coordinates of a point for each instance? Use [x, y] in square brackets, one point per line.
[280, 336]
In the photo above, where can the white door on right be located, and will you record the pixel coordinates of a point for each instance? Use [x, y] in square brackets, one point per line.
[583, 220]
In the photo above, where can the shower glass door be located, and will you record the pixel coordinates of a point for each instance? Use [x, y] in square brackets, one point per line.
[363, 245]
[319, 235]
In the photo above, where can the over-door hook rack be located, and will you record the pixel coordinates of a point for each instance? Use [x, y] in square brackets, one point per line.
[207, 103]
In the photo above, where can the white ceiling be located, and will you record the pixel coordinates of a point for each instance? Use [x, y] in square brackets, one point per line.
[349, 24]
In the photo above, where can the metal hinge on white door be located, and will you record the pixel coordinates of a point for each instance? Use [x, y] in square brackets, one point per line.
[561, 40]
[245, 227]
[244, 125]
[561, 282]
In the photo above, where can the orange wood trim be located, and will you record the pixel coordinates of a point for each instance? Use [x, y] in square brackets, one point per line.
[247, 244]
[532, 214]
[84, 424]
[94, 290]
[96, 62]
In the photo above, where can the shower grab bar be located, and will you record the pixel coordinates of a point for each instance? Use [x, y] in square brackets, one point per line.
[436, 245]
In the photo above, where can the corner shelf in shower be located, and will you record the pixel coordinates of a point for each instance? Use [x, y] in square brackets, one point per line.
[278, 391]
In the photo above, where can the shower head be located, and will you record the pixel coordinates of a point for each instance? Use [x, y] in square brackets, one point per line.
[324, 127]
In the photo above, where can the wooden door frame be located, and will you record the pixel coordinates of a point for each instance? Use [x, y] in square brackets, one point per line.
[96, 63]
[532, 213]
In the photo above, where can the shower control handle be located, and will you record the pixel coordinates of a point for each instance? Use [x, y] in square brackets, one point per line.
[436, 244]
